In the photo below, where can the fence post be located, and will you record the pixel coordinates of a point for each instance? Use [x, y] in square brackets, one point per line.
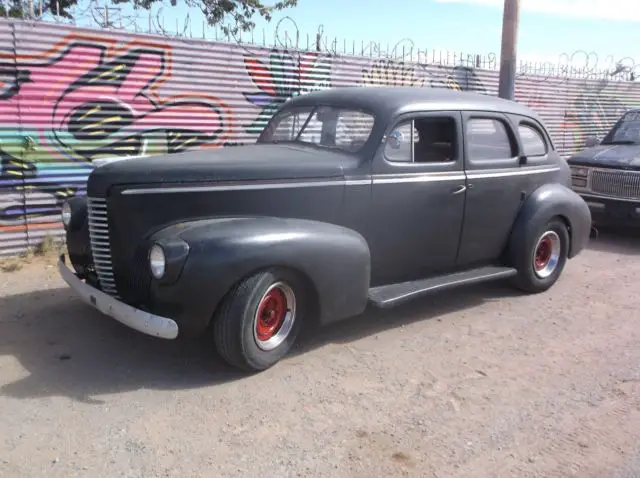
[510, 19]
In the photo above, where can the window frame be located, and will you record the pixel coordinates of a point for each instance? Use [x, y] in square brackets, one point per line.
[286, 109]
[541, 135]
[411, 118]
[491, 163]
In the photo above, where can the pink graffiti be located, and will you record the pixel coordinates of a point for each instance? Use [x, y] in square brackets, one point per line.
[85, 95]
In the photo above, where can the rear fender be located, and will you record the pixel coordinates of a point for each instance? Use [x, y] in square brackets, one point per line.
[335, 260]
[548, 201]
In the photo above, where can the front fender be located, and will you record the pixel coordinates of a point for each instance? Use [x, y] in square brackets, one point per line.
[222, 251]
[548, 201]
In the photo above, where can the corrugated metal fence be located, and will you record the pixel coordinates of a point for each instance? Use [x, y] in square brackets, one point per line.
[70, 96]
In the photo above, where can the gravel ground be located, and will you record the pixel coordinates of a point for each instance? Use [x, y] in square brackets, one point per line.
[478, 382]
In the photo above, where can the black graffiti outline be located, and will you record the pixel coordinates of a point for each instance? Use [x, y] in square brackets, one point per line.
[15, 168]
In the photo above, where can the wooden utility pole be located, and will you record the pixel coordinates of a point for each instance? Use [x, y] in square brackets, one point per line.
[510, 20]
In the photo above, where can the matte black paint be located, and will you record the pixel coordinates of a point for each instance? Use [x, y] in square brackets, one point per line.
[240, 163]
[366, 222]
[391, 295]
[548, 201]
[493, 202]
[415, 226]
[222, 251]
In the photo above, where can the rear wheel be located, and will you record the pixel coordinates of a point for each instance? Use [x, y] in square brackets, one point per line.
[541, 261]
[259, 320]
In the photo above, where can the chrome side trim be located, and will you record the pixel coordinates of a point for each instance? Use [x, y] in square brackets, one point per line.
[421, 178]
[377, 179]
[234, 187]
[520, 172]
[137, 319]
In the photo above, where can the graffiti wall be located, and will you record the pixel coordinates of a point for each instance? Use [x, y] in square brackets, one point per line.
[70, 96]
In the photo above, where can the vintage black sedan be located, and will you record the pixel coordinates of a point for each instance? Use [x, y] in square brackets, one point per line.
[607, 174]
[350, 197]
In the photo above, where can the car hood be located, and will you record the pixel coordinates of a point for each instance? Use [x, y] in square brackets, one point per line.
[625, 156]
[232, 163]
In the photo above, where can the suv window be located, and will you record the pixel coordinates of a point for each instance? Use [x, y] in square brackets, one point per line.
[533, 143]
[488, 138]
[433, 138]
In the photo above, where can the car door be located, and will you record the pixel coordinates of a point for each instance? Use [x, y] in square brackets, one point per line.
[417, 198]
[498, 182]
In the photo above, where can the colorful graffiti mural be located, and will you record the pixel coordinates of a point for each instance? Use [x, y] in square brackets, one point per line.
[75, 96]
[91, 97]
[389, 72]
[282, 75]
[88, 98]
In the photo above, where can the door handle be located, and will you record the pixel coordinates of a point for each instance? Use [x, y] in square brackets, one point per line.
[460, 189]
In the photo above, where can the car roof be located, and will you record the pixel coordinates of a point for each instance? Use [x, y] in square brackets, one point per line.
[391, 100]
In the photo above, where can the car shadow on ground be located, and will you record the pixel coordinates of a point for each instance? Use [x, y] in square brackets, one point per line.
[65, 348]
[616, 240]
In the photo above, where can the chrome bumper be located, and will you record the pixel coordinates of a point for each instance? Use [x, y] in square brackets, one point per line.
[137, 319]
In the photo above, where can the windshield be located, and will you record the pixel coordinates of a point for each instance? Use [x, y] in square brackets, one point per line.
[325, 126]
[626, 130]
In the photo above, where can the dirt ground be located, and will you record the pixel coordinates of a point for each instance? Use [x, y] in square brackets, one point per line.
[480, 382]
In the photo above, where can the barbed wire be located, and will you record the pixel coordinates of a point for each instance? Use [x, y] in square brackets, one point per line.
[578, 65]
[583, 65]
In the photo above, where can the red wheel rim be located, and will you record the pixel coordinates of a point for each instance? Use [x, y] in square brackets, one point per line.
[271, 313]
[543, 253]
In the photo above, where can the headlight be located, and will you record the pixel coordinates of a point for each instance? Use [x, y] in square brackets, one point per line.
[74, 213]
[66, 214]
[579, 171]
[157, 261]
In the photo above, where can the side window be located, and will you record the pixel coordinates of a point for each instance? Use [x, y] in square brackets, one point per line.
[488, 138]
[289, 125]
[433, 138]
[533, 143]
[398, 145]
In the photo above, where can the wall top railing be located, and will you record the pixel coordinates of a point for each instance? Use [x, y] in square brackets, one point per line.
[580, 64]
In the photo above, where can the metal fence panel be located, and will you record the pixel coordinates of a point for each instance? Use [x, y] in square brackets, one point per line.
[75, 95]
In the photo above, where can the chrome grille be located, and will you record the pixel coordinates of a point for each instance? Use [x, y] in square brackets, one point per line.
[621, 184]
[100, 245]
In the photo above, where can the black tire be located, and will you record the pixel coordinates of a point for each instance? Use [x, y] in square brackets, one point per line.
[235, 331]
[531, 277]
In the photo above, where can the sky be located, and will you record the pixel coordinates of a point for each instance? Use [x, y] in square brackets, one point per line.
[547, 28]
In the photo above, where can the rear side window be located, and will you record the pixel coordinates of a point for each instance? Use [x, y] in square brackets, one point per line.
[533, 143]
[488, 138]
[429, 139]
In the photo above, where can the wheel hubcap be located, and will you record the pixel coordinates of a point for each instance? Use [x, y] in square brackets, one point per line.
[546, 255]
[274, 316]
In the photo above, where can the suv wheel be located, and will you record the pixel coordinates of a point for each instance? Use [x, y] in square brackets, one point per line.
[543, 257]
[259, 320]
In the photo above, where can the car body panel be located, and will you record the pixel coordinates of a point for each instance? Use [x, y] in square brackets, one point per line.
[223, 251]
[346, 221]
[416, 218]
[497, 189]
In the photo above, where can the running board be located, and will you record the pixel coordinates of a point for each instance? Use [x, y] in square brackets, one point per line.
[390, 295]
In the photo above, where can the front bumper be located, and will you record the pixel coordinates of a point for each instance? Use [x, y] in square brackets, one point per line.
[137, 319]
[611, 211]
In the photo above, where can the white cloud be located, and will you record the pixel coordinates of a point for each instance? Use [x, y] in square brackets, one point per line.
[620, 10]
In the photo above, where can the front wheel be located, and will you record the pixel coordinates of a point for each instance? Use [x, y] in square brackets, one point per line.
[258, 322]
[542, 259]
